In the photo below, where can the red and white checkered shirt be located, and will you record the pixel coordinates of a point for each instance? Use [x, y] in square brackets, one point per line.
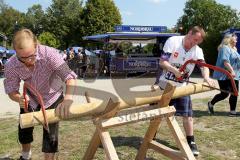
[47, 77]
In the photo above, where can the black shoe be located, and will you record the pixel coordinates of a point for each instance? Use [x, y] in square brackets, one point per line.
[210, 108]
[21, 158]
[233, 114]
[194, 149]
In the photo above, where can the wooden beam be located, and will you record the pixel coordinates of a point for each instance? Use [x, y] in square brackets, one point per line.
[107, 145]
[98, 106]
[152, 129]
[168, 152]
[93, 146]
[179, 137]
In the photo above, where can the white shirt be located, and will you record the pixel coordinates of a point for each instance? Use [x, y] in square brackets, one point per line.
[174, 46]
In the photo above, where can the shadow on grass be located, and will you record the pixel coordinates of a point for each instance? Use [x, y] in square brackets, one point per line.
[199, 113]
[6, 158]
[135, 142]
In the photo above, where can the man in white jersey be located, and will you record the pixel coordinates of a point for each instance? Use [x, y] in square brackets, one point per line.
[177, 50]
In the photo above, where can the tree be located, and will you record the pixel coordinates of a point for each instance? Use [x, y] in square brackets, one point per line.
[3, 5]
[35, 19]
[64, 21]
[213, 17]
[49, 39]
[10, 20]
[100, 16]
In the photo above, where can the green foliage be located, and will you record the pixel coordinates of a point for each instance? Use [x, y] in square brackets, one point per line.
[35, 19]
[49, 39]
[148, 48]
[213, 17]
[64, 21]
[100, 16]
[10, 20]
[3, 5]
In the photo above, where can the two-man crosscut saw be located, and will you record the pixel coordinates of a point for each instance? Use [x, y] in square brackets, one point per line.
[26, 87]
[215, 68]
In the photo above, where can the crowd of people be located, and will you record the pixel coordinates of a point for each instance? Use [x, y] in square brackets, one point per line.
[77, 61]
[3, 61]
[81, 63]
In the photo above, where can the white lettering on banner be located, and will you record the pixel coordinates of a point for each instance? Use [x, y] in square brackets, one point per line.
[139, 64]
[141, 29]
[119, 28]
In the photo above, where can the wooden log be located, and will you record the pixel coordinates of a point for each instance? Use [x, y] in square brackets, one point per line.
[97, 107]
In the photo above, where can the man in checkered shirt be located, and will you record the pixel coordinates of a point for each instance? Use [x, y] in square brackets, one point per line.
[43, 68]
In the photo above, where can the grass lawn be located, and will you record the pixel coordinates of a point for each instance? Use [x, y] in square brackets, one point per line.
[217, 137]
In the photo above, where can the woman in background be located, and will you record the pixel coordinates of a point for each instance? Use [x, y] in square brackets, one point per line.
[229, 59]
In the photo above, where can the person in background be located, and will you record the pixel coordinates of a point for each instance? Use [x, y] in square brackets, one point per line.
[65, 55]
[43, 68]
[107, 63]
[176, 51]
[70, 59]
[229, 59]
[1, 68]
[71, 53]
[101, 63]
[156, 50]
[97, 65]
[84, 63]
[4, 58]
[75, 61]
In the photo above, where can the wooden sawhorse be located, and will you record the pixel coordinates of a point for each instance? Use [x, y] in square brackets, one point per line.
[111, 117]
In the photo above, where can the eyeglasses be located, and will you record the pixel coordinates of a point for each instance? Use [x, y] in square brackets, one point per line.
[27, 59]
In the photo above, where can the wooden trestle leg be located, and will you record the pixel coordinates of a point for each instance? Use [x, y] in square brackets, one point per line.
[156, 114]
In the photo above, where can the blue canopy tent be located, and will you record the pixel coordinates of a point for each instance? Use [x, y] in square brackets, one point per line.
[124, 64]
[11, 52]
[127, 36]
[88, 53]
[2, 49]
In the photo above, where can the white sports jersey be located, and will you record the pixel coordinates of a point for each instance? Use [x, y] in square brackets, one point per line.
[178, 56]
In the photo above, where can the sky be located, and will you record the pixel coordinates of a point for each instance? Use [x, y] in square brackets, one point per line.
[136, 12]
